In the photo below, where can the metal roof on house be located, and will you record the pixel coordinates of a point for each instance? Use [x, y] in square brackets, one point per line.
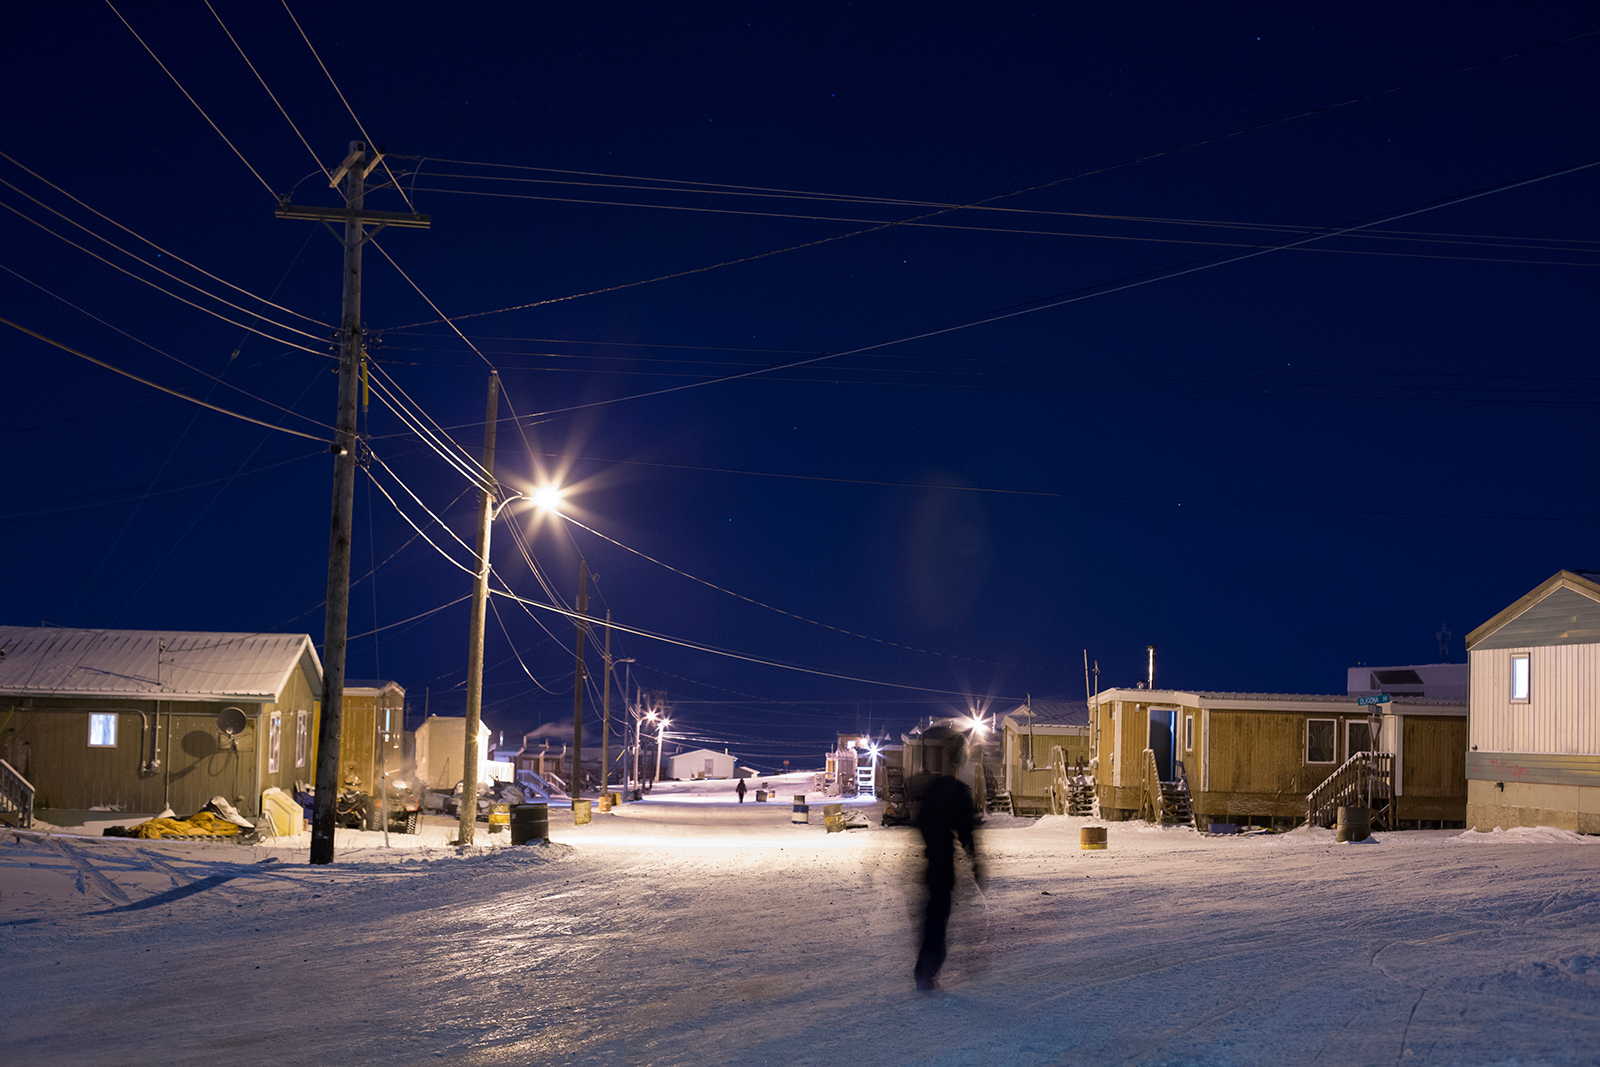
[1169, 696]
[1053, 713]
[153, 664]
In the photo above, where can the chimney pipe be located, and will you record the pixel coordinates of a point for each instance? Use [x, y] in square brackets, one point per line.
[1150, 670]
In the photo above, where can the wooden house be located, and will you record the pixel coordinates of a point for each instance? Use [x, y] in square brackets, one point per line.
[1534, 734]
[127, 720]
[1254, 758]
[1029, 734]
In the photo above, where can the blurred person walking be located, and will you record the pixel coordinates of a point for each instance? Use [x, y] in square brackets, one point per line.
[944, 816]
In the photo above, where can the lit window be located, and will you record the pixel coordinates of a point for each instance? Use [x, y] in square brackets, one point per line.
[1320, 735]
[274, 735]
[302, 737]
[1519, 677]
[102, 730]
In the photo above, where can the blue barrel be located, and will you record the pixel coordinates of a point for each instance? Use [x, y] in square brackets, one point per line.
[802, 814]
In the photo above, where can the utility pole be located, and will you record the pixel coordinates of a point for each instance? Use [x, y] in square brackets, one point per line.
[577, 683]
[605, 719]
[347, 444]
[480, 598]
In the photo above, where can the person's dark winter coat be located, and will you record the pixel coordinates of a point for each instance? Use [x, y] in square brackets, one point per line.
[944, 817]
[741, 790]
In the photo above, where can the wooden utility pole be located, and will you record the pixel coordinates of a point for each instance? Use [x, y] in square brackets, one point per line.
[347, 444]
[578, 682]
[480, 599]
[605, 718]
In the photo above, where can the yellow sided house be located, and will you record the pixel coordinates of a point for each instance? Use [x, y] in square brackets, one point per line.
[1044, 746]
[142, 720]
[1277, 758]
[1534, 757]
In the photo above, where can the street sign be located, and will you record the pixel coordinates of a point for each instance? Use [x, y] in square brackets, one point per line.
[1381, 698]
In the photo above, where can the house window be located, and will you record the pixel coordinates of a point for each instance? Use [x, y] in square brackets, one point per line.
[1320, 735]
[274, 735]
[1519, 677]
[302, 737]
[102, 729]
[1188, 733]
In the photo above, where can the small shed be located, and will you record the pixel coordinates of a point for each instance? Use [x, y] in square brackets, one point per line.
[700, 763]
[1534, 734]
[1255, 757]
[370, 731]
[126, 720]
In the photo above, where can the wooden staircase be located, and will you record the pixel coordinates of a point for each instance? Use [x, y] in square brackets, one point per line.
[1163, 803]
[16, 798]
[1365, 780]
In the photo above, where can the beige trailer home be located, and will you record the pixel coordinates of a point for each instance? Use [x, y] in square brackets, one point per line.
[1029, 736]
[1255, 758]
[1534, 755]
[127, 720]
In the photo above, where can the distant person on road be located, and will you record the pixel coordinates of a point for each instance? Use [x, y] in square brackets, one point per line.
[944, 815]
[741, 790]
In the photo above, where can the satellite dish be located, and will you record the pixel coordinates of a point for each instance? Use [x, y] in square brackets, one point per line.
[230, 721]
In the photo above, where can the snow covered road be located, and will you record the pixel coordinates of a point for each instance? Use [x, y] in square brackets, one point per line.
[688, 932]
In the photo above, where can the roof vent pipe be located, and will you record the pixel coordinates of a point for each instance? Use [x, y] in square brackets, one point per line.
[1150, 669]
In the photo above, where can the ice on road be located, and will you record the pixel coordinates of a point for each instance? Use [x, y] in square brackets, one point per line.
[690, 929]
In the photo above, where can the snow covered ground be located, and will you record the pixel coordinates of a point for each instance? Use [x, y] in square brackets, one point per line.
[687, 929]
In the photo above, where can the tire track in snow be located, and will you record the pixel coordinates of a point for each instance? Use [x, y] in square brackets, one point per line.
[89, 874]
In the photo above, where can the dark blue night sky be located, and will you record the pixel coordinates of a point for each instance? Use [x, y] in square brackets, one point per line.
[1273, 468]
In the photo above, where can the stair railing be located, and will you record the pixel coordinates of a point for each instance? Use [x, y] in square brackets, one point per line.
[1149, 788]
[1365, 780]
[16, 795]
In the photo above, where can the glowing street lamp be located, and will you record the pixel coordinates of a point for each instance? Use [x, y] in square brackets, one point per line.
[488, 511]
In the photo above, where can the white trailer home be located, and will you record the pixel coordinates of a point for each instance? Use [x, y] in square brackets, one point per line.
[1534, 729]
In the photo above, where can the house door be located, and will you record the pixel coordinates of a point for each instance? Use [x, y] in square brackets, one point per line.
[1162, 723]
[1357, 737]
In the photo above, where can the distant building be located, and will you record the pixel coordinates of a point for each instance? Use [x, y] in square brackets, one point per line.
[128, 720]
[1534, 757]
[1432, 681]
[700, 763]
[1028, 735]
[441, 748]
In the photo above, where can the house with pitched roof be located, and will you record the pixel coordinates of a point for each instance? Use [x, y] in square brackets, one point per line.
[142, 720]
[1534, 727]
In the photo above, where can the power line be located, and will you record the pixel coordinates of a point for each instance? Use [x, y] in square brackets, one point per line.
[168, 292]
[153, 385]
[1087, 293]
[138, 236]
[187, 366]
[347, 107]
[268, 88]
[1016, 231]
[1132, 161]
[193, 101]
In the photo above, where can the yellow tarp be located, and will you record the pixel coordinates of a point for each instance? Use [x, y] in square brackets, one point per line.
[200, 824]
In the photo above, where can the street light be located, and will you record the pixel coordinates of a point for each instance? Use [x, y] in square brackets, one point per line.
[488, 511]
[661, 733]
[605, 719]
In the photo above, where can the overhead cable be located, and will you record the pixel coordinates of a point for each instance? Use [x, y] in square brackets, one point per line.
[171, 392]
[193, 101]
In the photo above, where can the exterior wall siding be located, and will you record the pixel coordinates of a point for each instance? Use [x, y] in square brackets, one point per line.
[47, 740]
[1562, 715]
